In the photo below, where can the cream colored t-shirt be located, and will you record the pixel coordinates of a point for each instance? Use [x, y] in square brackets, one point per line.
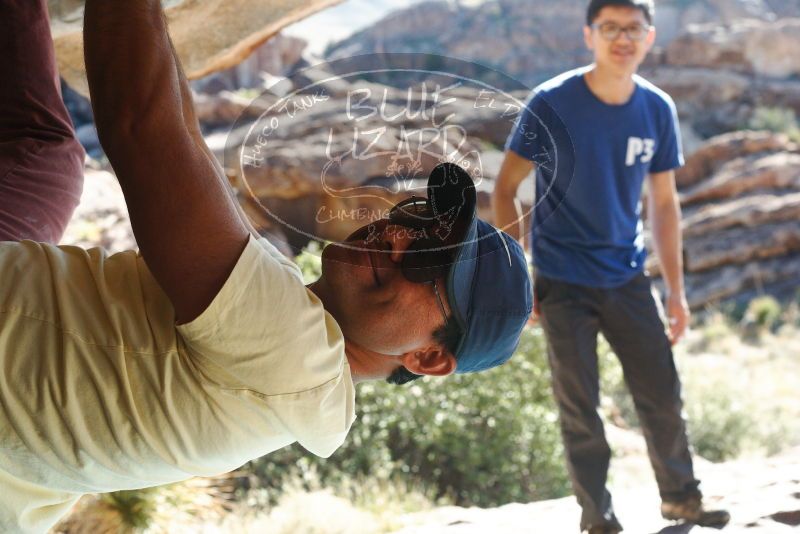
[100, 391]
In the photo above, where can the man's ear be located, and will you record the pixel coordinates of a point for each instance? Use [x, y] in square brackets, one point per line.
[587, 37]
[651, 38]
[431, 361]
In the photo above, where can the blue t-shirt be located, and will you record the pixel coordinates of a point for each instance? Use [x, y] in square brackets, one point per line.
[592, 159]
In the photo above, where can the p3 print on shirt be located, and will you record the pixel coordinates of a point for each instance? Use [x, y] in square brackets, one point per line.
[639, 148]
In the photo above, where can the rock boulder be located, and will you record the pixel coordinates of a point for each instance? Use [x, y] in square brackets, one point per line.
[740, 195]
[746, 45]
[209, 35]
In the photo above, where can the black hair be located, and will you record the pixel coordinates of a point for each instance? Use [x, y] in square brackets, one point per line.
[647, 6]
[448, 335]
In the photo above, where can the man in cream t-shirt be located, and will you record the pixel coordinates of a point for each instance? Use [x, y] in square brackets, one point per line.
[128, 400]
[204, 350]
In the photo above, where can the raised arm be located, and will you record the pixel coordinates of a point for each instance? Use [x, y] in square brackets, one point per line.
[186, 223]
[193, 125]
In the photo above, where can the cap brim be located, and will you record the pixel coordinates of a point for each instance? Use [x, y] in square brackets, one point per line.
[461, 278]
[452, 196]
[488, 286]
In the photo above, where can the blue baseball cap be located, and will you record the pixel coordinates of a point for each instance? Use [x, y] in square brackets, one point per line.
[488, 285]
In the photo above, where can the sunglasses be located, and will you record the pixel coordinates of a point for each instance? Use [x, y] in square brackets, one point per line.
[427, 258]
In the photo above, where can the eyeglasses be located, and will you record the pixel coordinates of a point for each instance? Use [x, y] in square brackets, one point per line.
[610, 31]
[426, 259]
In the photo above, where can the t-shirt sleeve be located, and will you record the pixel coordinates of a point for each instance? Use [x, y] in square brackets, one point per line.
[526, 136]
[265, 332]
[669, 153]
[319, 419]
[265, 329]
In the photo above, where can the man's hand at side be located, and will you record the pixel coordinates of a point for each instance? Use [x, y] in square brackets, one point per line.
[664, 212]
[677, 315]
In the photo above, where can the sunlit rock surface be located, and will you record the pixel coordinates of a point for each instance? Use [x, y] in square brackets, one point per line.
[209, 35]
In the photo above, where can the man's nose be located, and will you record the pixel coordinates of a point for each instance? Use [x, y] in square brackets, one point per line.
[623, 33]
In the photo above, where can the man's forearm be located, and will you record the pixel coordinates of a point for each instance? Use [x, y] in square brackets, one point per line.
[193, 126]
[668, 244]
[137, 83]
[508, 214]
[505, 205]
[132, 75]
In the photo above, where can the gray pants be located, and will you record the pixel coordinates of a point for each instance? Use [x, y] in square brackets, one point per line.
[629, 318]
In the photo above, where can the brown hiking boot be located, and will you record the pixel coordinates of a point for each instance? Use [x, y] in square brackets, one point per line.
[692, 511]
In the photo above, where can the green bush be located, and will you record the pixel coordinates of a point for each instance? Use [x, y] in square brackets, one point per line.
[719, 425]
[775, 119]
[310, 262]
[764, 312]
[732, 311]
[135, 507]
[484, 439]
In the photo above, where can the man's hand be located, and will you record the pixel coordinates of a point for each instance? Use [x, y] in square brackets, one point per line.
[665, 219]
[678, 316]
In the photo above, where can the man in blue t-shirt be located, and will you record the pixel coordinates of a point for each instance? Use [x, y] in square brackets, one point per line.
[594, 135]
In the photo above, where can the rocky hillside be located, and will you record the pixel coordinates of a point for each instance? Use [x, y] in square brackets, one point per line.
[720, 59]
[721, 75]
[740, 195]
[531, 40]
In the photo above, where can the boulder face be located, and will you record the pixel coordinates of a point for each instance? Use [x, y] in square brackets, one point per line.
[721, 149]
[209, 35]
[270, 61]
